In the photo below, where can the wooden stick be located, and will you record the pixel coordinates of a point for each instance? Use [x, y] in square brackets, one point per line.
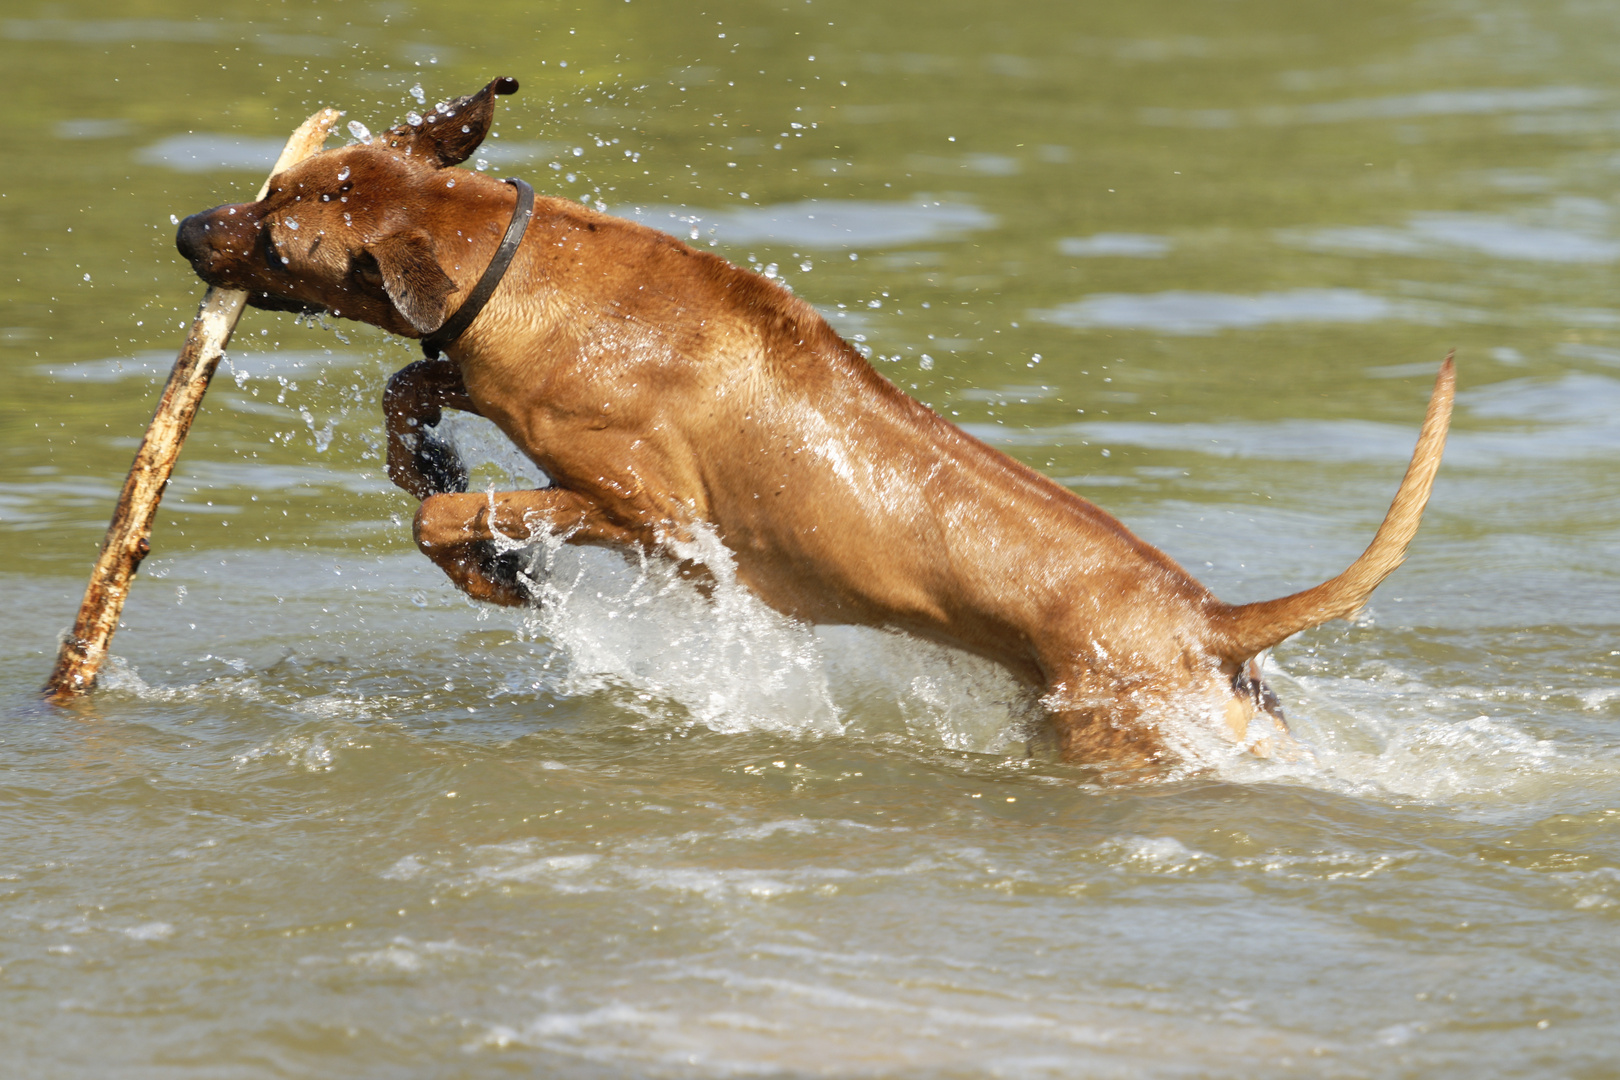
[127, 542]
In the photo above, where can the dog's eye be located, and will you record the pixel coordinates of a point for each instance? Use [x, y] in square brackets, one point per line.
[272, 256]
[366, 271]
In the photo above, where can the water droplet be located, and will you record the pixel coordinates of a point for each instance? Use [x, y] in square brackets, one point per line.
[926, 362]
[416, 92]
[414, 119]
[344, 175]
[359, 131]
[291, 224]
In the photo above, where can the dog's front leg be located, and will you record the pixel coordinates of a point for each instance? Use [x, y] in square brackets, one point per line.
[412, 403]
[457, 531]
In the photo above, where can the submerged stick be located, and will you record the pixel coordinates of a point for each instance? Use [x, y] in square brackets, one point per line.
[127, 542]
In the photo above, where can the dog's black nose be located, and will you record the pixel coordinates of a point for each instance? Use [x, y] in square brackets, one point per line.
[191, 237]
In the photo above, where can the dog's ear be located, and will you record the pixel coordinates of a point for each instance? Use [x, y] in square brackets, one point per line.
[451, 131]
[413, 279]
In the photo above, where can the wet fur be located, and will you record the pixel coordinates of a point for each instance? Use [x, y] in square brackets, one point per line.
[661, 388]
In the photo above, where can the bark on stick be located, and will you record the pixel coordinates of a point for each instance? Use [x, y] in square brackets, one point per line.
[128, 536]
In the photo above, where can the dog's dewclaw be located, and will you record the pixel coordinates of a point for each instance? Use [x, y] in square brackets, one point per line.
[127, 543]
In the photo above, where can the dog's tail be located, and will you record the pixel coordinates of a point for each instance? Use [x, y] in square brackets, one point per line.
[1244, 631]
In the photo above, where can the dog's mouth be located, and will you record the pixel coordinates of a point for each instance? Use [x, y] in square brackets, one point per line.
[213, 259]
[270, 302]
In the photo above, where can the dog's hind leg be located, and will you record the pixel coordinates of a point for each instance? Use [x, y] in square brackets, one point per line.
[458, 532]
[1097, 723]
[1099, 738]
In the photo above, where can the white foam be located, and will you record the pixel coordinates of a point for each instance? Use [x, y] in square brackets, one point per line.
[516, 862]
[724, 659]
[1395, 737]
[405, 869]
[1159, 854]
[120, 676]
[1596, 700]
[390, 958]
[552, 1026]
[309, 751]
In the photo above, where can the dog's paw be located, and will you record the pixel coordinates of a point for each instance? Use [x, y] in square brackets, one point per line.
[515, 569]
[439, 465]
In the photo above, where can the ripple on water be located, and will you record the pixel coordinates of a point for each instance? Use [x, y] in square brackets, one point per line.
[1575, 416]
[157, 363]
[1126, 245]
[202, 152]
[1442, 235]
[1484, 101]
[1183, 312]
[838, 224]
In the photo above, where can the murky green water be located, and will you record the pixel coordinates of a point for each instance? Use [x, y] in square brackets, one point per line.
[1199, 261]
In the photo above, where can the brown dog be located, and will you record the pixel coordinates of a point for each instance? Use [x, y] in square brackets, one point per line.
[665, 391]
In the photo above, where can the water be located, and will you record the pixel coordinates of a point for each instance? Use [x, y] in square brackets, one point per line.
[325, 817]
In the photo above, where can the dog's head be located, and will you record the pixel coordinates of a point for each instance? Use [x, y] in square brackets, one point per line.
[356, 231]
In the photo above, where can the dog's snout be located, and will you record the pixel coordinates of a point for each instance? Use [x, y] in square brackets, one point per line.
[218, 242]
[192, 237]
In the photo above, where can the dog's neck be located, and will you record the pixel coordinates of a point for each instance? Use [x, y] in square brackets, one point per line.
[473, 303]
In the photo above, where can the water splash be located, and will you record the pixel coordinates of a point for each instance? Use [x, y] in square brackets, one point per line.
[682, 638]
[1364, 740]
[493, 460]
[706, 647]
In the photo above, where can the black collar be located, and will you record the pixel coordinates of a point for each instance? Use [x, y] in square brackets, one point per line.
[436, 342]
